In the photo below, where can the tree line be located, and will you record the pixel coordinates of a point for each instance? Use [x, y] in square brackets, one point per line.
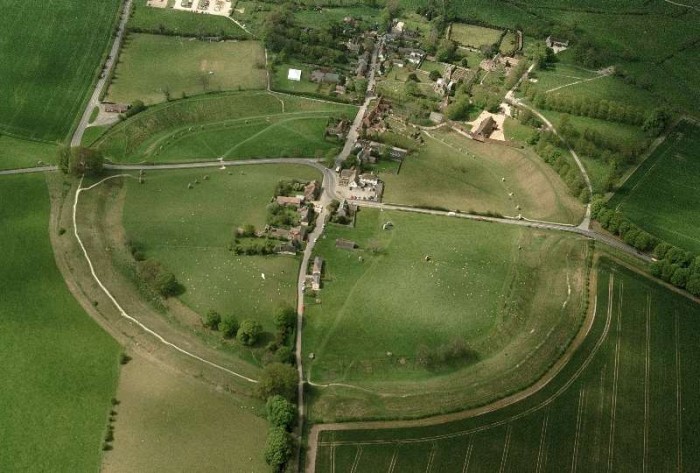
[672, 264]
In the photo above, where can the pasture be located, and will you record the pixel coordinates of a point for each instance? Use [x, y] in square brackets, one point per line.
[189, 232]
[18, 153]
[142, 136]
[623, 403]
[167, 421]
[155, 68]
[50, 58]
[457, 173]
[59, 369]
[663, 194]
[474, 36]
[145, 19]
[383, 309]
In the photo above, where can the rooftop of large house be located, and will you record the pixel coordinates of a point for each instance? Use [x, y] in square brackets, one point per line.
[318, 265]
[291, 201]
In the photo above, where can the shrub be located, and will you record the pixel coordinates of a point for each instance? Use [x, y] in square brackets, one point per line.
[229, 326]
[277, 379]
[278, 448]
[284, 355]
[249, 332]
[280, 412]
[211, 320]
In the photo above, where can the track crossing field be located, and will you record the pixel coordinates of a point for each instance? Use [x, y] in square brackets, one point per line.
[663, 195]
[50, 54]
[624, 403]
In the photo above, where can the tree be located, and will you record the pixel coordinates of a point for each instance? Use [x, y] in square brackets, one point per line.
[446, 50]
[277, 379]
[166, 284]
[434, 75]
[229, 326]
[459, 109]
[248, 332]
[284, 355]
[680, 277]
[278, 448]
[135, 107]
[656, 122]
[80, 161]
[693, 284]
[285, 318]
[212, 320]
[280, 412]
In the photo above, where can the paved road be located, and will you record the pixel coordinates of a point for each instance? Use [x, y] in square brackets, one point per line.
[8, 172]
[109, 64]
[354, 129]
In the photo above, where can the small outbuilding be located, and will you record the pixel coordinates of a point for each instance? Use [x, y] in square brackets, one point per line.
[294, 74]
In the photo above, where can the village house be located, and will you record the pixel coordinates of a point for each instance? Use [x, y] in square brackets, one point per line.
[368, 179]
[289, 201]
[311, 191]
[347, 176]
[316, 273]
[485, 129]
[340, 129]
[305, 216]
[321, 77]
[116, 107]
[298, 234]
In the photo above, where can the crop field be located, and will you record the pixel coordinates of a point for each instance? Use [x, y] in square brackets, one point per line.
[181, 23]
[61, 367]
[142, 136]
[474, 36]
[167, 421]
[624, 403]
[383, 306]
[189, 232]
[18, 153]
[153, 68]
[663, 195]
[456, 173]
[60, 49]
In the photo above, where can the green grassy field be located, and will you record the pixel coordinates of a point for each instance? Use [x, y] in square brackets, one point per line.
[189, 232]
[223, 432]
[158, 128]
[18, 153]
[474, 36]
[381, 303]
[59, 369]
[160, 20]
[50, 58]
[623, 403]
[663, 195]
[320, 19]
[462, 174]
[152, 67]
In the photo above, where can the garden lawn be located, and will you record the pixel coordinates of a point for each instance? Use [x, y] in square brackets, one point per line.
[474, 36]
[59, 369]
[663, 195]
[490, 287]
[50, 57]
[461, 174]
[181, 23]
[152, 68]
[189, 232]
[18, 153]
[623, 403]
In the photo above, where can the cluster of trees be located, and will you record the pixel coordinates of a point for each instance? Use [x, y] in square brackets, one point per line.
[281, 216]
[673, 265]
[80, 161]
[445, 356]
[258, 246]
[158, 278]
[585, 107]
[548, 148]
[279, 445]
[247, 333]
[289, 187]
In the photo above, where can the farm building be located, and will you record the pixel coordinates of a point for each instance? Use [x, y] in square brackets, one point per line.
[319, 76]
[345, 244]
[485, 128]
[116, 107]
[294, 74]
[289, 201]
[311, 190]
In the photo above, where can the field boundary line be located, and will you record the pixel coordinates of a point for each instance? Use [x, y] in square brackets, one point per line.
[431, 458]
[579, 421]
[541, 452]
[394, 460]
[109, 295]
[599, 417]
[679, 401]
[506, 447]
[647, 368]
[576, 83]
[616, 373]
[333, 459]
[356, 461]
[468, 454]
